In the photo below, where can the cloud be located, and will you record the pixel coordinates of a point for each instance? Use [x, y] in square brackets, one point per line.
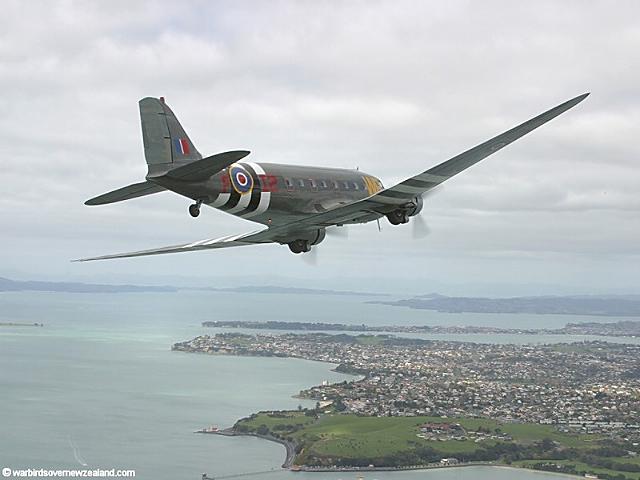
[390, 87]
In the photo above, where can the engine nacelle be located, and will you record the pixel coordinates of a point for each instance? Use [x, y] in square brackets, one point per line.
[415, 207]
[317, 236]
[303, 241]
[401, 215]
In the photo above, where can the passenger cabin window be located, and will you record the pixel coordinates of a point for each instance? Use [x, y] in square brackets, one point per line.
[336, 186]
[323, 184]
[355, 185]
[313, 183]
[288, 183]
[345, 185]
[301, 183]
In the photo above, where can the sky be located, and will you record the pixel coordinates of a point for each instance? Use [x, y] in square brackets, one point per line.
[392, 88]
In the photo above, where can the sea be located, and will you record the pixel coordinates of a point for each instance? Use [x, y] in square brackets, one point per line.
[98, 386]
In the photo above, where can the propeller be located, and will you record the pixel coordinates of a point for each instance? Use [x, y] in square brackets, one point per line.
[310, 258]
[420, 227]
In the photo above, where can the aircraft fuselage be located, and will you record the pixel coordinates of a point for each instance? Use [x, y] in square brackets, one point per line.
[272, 194]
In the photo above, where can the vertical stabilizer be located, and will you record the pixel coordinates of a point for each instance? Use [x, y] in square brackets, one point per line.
[165, 141]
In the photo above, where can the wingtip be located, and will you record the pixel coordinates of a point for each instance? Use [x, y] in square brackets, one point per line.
[580, 98]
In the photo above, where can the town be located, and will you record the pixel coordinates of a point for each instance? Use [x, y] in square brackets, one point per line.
[590, 387]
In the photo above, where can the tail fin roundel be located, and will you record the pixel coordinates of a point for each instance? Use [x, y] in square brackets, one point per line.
[165, 141]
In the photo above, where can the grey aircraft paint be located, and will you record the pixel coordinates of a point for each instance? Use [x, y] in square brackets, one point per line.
[277, 194]
[296, 203]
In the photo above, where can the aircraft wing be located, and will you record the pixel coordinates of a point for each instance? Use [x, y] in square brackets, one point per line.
[388, 199]
[251, 238]
[425, 181]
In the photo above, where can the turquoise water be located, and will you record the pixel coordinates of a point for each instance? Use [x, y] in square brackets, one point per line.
[99, 385]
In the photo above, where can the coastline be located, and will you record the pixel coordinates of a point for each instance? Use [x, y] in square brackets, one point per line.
[542, 472]
[290, 447]
[290, 456]
[435, 467]
[21, 324]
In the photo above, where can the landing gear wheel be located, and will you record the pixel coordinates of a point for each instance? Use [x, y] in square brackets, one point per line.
[300, 246]
[194, 210]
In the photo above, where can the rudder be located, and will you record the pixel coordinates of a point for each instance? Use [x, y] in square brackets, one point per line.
[165, 141]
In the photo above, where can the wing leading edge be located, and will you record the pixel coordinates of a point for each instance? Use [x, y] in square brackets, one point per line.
[433, 177]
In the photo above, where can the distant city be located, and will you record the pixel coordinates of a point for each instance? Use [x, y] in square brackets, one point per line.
[622, 328]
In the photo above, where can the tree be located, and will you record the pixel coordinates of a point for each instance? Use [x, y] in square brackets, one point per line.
[547, 444]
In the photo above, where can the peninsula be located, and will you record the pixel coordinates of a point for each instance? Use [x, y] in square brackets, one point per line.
[623, 328]
[598, 305]
[570, 408]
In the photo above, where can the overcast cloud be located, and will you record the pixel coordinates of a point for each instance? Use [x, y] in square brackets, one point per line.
[390, 87]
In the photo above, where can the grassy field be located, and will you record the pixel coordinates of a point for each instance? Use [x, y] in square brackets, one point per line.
[527, 432]
[291, 418]
[353, 436]
[346, 437]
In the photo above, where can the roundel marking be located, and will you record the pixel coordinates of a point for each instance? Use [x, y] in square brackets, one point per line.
[240, 179]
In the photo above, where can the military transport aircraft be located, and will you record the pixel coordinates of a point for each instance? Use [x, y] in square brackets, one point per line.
[296, 203]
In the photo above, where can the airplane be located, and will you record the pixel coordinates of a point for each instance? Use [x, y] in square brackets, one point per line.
[297, 204]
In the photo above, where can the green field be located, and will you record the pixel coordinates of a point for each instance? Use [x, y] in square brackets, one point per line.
[355, 437]
[347, 439]
[271, 419]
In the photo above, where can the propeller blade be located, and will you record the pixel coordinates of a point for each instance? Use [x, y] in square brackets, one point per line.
[420, 227]
[310, 258]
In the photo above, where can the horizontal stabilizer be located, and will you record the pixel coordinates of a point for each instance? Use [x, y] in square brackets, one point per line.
[125, 193]
[203, 169]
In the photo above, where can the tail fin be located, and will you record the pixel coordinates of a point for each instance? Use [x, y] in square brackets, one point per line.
[165, 141]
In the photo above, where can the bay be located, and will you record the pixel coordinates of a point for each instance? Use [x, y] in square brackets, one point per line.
[98, 384]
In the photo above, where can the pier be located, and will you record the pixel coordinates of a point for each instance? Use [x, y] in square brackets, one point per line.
[239, 475]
